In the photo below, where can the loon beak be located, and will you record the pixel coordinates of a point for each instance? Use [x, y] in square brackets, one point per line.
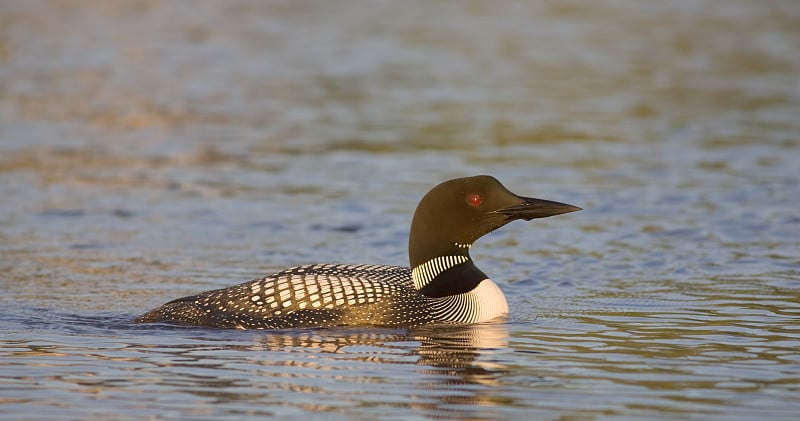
[532, 208]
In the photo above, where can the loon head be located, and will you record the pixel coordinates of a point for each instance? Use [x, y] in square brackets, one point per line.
[455, 213]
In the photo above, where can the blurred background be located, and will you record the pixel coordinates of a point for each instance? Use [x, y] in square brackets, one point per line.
[153, 149]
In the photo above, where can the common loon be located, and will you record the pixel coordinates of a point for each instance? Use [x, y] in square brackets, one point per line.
[443, 284]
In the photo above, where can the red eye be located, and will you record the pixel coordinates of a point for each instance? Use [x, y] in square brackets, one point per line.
[475, 199]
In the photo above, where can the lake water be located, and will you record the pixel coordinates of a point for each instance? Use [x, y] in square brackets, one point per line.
[151, 150]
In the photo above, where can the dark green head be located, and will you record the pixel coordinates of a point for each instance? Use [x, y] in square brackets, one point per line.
[452, 215]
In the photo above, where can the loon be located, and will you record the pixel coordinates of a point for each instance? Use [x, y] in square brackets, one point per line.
[442, 286]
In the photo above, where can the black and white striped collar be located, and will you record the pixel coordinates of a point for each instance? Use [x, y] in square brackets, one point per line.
[423, 274]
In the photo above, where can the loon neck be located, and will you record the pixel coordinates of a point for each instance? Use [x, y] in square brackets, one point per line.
[447, 275]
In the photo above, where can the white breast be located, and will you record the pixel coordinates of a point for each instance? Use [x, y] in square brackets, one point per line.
[484, 302]
[490, 300]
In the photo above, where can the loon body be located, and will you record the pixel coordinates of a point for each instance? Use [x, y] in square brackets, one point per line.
[443, 285]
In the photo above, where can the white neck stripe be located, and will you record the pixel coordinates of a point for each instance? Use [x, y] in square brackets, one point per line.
[424, 273]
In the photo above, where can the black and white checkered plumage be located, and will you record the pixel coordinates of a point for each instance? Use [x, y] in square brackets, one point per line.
[443, 287]
[318, 296]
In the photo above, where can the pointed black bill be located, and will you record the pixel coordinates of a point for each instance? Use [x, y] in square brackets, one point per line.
[531, 208]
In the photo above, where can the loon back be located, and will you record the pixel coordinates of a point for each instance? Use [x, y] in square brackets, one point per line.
[443, 284]
[304, 296]
[326, 295]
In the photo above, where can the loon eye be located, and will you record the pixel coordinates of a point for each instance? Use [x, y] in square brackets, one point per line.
[475, 199]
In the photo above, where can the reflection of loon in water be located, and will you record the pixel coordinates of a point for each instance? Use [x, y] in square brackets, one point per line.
[453, 350]
[442, 286]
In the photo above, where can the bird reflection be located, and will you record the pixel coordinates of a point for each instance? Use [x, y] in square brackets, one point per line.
[442, 367]
[455, 350]
[455, 354]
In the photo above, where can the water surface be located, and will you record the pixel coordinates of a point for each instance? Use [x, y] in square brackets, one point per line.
[153, 150]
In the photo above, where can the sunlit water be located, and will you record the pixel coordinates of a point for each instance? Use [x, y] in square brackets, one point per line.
[153, 150]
